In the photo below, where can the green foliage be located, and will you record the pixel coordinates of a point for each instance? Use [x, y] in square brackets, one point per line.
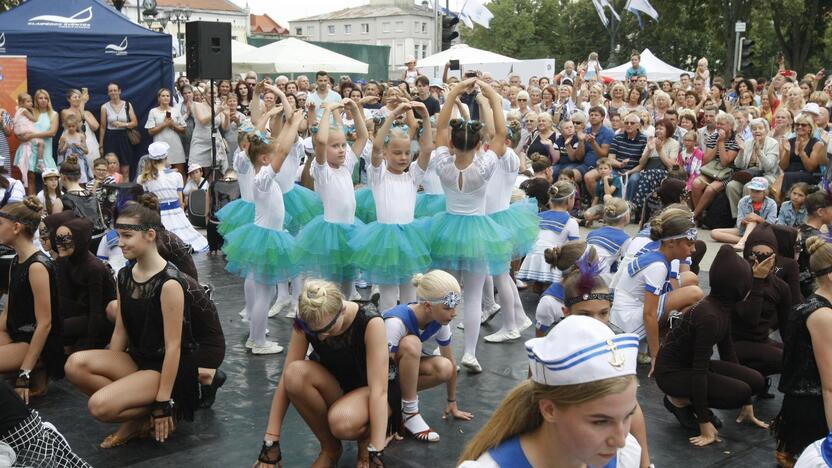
[5, 5]
[686, 31]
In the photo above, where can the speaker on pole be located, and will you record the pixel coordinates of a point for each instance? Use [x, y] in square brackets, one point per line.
[208, 50]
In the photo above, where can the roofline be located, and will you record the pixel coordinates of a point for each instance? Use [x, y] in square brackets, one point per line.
[417, 11]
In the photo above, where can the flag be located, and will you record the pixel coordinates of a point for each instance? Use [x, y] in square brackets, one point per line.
[607, 4]
[637, 7]
[474, 11]
[599, 7]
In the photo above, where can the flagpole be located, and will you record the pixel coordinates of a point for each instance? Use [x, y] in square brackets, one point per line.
[612, 29]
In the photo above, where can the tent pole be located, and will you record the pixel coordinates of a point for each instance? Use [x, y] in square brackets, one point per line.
[213, 135]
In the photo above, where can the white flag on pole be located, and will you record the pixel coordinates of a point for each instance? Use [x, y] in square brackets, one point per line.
[643, 6]
[474, 11]
[606, 3]
[601, 14]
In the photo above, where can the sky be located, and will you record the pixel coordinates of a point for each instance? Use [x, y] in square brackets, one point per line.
[285, 10]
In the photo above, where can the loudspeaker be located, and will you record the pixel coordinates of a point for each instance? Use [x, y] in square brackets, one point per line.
[208, 50]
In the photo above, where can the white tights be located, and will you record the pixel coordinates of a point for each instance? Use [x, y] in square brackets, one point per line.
[403, 293]
[248, 294]
[258, 309]
[472, 309]
[283, 289]
[507, 305]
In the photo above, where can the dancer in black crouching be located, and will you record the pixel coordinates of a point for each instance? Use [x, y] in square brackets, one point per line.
[692, 381]
[150, 368]
[30, 325]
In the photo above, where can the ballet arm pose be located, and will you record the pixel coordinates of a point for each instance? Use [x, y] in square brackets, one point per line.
[498, 138]
[173, 306]
[426, 138]
[322, 136]
[361, 135]
[39, 280]
[286, 140]
[443, 133]
[384, 131]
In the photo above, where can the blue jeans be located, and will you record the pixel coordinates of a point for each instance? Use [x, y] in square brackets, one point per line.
[632, 184]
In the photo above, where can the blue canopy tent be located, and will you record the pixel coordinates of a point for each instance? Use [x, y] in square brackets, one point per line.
[86, 43]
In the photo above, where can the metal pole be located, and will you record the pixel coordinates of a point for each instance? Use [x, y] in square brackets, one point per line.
[213, 134]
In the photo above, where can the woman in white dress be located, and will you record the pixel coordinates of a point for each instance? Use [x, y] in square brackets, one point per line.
[167, 184]
[165, 124]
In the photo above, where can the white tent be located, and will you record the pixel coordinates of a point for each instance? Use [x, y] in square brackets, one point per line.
[656, 69]
[237, 49]
[465, 54]
[295, 56]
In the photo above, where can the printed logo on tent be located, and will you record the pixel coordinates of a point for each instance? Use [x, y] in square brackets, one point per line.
[3, 43]
[120, 49]
[80, 20]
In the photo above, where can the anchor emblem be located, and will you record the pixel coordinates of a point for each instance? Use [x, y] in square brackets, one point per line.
[617, 358]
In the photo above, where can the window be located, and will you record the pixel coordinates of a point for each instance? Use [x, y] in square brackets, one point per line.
[399, 26]
[416, 26]
[424, 50]
[365, 28]
[385, 27]
[424, 28]
[347, 29]
[331, 30]
[416, 51]
[299, 32]
[310, 31]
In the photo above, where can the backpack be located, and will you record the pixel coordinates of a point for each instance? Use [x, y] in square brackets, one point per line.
[86, 206]
[718, 214]
[197, 205]
[222, 193]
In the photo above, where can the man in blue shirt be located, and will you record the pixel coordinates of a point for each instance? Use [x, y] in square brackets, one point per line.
[635, 67]
[598, 141]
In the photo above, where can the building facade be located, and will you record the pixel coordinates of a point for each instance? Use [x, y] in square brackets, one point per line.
[408, 29]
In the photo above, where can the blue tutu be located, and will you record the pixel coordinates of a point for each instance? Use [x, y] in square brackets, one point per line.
[390, 253]
[521, 219]
[322, 250]
[301, 206]
[428, 204]
[235, 214]
[264, 252]
[469, 243]
[365, 205]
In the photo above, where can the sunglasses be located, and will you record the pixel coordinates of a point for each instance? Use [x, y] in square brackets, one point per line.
[522, 99]
[802, 125]
[631, 123]
[303, 326]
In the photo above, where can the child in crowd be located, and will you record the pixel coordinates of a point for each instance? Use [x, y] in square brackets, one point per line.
[113, 167]
[195, 180]
[24, 122]
[73, 142]
[100, 176]
[753, 209]
[50, 196]
[793, 211]
[569, 176]
[607, 188]
[690, 157]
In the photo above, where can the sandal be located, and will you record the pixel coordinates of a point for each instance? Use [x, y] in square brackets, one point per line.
[114, 440]
[423, 436]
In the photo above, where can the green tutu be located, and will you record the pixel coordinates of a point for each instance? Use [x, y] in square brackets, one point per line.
[521, 219]
[235, 214]
[264, 252]
[390, 253]
[469, 243]
[365, 205]
[429, 204]
[322, 250]
[301, 206]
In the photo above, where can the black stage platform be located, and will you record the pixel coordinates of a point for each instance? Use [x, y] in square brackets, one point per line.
[230, 434]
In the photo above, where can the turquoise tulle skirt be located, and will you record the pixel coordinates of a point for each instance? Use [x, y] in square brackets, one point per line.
[301, 206]
[365, 205]
[322, 250]
[264, 252]
[235, 214]
[391, 253]
[428, 204]
[469, 243]
[521, 219]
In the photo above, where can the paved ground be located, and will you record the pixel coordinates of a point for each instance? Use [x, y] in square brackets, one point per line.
[229, 435]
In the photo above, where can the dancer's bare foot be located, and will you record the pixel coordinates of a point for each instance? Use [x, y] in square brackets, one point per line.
[328, 458]
[363, 460]
[136, 428]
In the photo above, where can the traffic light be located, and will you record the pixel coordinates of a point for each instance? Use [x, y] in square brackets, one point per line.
[746, 56]
[449, 32]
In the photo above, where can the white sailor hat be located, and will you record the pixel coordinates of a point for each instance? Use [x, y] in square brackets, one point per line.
[579, 350]
[158, 150]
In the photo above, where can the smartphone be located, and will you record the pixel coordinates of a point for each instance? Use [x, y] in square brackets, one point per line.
[85, 91]
[454, 65]
[167, 114]
[470, 74]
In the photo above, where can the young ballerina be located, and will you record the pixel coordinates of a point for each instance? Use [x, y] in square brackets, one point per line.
[556, 227]
[550, 307]
[646, 295]
[521, 220]
[393, 249]
[343, 395]
[409, 326]
[574, 415]
[464, 239]
[30, 325]
[611, 241]
[261, 252]
[323, 245]
[150, 368]
[167, 184]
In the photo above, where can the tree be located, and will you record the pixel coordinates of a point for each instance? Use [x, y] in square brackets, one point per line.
[6, 5]
[799, 25]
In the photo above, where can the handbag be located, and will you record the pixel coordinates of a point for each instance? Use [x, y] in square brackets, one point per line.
[744, 176]
[133, 135]
[715, 170]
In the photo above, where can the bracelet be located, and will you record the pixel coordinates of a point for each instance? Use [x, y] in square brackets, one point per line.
[270, 453]
[452, 401]
[162, 409]
[376, 455]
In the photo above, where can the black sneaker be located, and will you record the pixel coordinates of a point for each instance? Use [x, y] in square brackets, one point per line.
[685, 415]
[208, 393]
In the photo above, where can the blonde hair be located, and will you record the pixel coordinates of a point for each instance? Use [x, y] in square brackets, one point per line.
[398, 133]
[674, 220]
[820, 253]
[319, 300]
[560, 192]
[803, 118]
[519, 412]
[150, 171]
[566, 255]
[435, 285]
[614, 210]
[49, 110]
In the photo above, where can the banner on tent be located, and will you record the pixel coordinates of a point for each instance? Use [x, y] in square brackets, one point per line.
[499, 71]
[13, 82]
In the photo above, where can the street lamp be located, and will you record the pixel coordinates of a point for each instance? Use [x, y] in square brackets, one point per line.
[179, 16]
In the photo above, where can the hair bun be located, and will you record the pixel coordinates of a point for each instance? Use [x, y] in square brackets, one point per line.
[475, 125]
[149, 201]
[456, 124]
[33, 203]
[417, 278]
[814, 243]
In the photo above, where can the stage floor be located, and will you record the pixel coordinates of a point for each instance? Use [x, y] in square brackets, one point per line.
[230, 434]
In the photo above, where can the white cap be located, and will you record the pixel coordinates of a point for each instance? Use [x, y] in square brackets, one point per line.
[579, 350]
[49, 172]
[158, 150]
[193, 166]
[307, 145]
[811, 108]
[435, 83]
[759, 184]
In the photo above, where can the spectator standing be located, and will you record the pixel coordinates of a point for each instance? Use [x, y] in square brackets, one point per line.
[89, 125]
[119, 117]
[165, 124]
[424, 95]
[323, 94]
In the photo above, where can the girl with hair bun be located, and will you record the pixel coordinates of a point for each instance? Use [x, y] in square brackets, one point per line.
[262, 252]
[550, 307]
[150, 368]
[464, 239]
[409, 327]
[240, 211]
[611, 241]
[819, 213]
[556, 228]
[30, 325]
[647, 294]
[806, 414]
[393, 249]
[343, 394]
